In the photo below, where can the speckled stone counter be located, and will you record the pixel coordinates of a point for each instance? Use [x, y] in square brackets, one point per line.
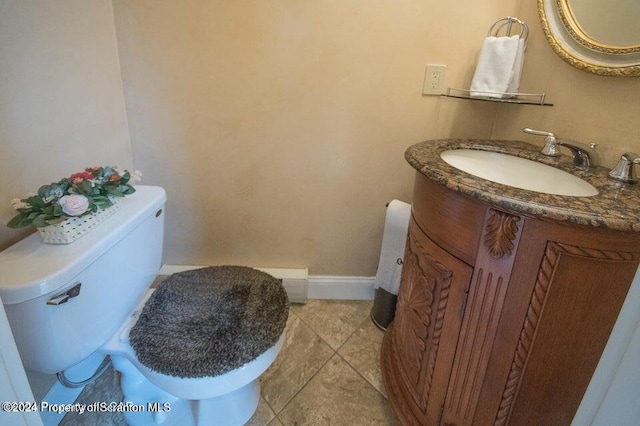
[616, 206]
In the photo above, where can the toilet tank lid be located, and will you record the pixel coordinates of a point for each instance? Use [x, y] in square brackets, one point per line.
[31, 268]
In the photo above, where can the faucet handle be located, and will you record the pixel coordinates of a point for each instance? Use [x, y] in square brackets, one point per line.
[538, 132]
[550, 142]
[624, 170]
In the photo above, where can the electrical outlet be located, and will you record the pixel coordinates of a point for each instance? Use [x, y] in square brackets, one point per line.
[434, 79]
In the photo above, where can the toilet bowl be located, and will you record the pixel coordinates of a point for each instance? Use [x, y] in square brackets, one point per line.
[66, 303]
[227, 399]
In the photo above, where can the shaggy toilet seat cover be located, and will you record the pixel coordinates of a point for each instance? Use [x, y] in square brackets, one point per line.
[206, 322]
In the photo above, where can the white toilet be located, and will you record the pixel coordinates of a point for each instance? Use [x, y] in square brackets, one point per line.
[66, 303]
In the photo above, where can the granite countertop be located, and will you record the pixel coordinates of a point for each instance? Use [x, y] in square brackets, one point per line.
[616, 206]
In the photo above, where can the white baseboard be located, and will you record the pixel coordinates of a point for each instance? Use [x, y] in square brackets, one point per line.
[317, 286]
[341, 287]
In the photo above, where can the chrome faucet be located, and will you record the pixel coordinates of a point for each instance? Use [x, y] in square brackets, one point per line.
[581, 158]
[624, 170]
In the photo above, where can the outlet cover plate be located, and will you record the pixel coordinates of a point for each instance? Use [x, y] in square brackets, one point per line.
[434, 79]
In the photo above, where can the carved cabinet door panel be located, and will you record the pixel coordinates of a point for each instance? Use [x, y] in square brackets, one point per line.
[419, 346]
[577, 297]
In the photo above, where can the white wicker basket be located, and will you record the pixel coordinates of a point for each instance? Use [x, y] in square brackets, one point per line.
[75, 227]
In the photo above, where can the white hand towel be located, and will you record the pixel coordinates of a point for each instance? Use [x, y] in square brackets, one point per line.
[495, 66]
[394, 239]
[514, 84]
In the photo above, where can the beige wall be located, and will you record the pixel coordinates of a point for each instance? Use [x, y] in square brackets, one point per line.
[279, 128]
[61, 100]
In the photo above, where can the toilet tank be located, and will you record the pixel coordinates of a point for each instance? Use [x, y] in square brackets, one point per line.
[114, 264]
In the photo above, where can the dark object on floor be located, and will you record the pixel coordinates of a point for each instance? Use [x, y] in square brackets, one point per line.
[384, 308]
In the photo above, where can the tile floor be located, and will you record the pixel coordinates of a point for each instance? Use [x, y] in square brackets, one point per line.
[328, 372]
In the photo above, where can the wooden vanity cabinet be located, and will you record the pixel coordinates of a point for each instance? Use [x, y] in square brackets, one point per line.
[501, 319]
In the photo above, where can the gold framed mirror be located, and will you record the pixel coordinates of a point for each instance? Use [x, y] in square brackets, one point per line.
[598, 36]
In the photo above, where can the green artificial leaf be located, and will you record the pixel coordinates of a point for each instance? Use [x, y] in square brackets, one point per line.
[57, 210]
[40, 221]
[92, 207]
[128, 189]
[124, 179]
[49, 209]
[25, 209]
[36, 202]
[114, 191]
[102, 201]
[85, 188]
[19, 221]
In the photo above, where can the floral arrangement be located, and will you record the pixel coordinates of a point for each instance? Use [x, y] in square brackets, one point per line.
[80, 194]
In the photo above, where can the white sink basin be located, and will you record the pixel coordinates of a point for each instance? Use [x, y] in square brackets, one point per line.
[518, 172]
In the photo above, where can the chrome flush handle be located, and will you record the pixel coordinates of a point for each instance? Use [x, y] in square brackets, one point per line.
[64, 297]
